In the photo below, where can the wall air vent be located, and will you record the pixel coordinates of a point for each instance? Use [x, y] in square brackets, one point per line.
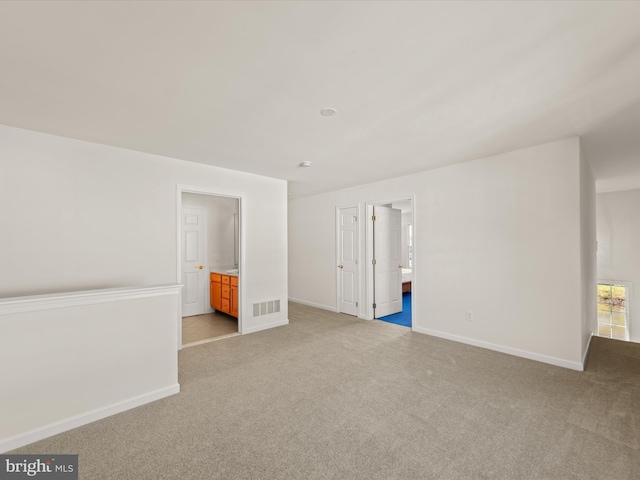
[266, 308]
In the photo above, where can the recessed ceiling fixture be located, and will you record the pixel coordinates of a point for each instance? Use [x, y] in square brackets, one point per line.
[305, 164]
[328, 112]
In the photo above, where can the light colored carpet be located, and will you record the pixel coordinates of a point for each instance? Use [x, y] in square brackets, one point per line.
[333, 397]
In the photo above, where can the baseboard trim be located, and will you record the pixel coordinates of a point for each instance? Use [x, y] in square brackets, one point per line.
[586, 351]
[311, 304]
[40, 433]
[267, 326]
[558, 362]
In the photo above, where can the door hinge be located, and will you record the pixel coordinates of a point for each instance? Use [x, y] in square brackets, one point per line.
[373, 218]
[374, 305]
[373, 262]
[355, 219]
[356, 262]
[356, 304]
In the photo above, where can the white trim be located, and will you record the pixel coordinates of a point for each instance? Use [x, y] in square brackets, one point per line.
[368, 247]
[259, 328]
[559, 362]
[414, 278]
[337, 257]
[316, 305]
[218, 192]
[17, 441]
[586, 351]
[32, 303]
[209, 340]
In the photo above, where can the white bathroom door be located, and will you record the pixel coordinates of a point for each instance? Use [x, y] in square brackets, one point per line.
[387, 254]
[194, 275]
[348, 260]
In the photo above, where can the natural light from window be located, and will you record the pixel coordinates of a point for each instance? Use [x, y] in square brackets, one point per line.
[613, 311]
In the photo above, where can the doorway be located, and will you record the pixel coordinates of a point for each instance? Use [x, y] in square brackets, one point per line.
[390, 273]
[614, 299]
[209, 266]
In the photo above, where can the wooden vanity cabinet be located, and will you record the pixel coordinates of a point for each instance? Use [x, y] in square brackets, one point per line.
[234, 297]
[216, 291]
[224, 293]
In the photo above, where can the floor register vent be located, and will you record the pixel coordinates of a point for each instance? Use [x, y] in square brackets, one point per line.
[265, 308]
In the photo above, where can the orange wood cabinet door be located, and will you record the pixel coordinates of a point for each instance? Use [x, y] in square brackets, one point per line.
[234, 301]
[224, 294]
[225, 291]
[216, 292]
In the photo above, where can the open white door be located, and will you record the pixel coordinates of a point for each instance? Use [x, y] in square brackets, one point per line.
[348, 260]
[192, 258]
[387, 254]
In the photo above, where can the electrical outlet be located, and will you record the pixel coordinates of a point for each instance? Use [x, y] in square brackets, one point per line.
[469, 315]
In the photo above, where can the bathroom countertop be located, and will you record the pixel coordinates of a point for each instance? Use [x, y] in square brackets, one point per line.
[223, 270]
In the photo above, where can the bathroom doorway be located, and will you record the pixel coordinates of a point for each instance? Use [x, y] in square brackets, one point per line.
[208, 267]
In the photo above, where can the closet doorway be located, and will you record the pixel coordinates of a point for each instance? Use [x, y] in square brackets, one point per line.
[209, 266]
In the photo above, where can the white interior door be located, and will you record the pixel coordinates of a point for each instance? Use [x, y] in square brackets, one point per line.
[194, 276]
[387, 253]
[348, 260]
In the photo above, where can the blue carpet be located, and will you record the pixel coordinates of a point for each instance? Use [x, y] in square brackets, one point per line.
[404, 317]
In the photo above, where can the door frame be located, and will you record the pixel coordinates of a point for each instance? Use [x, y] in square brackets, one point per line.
[337, 257]
[218, 192]
[369, 255]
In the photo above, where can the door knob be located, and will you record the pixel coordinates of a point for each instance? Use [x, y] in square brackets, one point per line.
[199, 266]
[340, 266]
[399, 266]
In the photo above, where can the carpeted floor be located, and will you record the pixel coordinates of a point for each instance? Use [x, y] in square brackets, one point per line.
[404, 317]
[334, 397]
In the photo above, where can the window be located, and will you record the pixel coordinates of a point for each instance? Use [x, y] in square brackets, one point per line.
[613, 310]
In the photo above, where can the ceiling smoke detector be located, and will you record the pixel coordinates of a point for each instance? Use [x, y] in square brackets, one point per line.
[305, 164]
[328, 112]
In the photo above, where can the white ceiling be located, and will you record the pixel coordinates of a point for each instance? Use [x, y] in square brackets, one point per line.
[417, 85]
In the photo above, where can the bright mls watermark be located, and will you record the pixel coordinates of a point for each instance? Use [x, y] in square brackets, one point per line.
[50, 467]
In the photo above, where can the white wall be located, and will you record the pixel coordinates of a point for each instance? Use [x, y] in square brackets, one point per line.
[498, 236]
[619, 246]
[78, 215]
[70, 359]
[588, 252]
[220, 226]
